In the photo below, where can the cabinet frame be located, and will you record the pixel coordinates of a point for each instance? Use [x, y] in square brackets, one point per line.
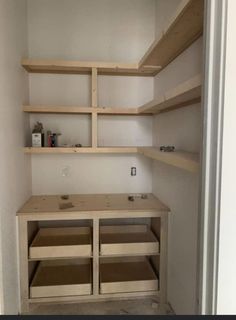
[158, 227]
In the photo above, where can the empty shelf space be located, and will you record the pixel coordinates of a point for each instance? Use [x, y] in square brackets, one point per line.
[180, 159]
[60, 280]
[184, 28]
[183, 95]
[117, 277]
[61, 243]
[127, 240]
[102, 150]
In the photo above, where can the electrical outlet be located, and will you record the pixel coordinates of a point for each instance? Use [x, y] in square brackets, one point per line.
[133, 171]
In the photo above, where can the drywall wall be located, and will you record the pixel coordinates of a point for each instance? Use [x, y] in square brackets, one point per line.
[227, 237]
[165, 10]
[92, 173]
[175, 187]
[107, 30]
[115, 31]
[15, 168]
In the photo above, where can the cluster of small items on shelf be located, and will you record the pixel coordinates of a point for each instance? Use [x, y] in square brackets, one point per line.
[52, 138]
[167, 148]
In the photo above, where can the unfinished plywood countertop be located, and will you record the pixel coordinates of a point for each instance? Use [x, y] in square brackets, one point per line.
[91, 206]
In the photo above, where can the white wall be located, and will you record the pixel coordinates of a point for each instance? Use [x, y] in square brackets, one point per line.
[15, 168]
[107, 30]
[115, 31]
[227, 240]
[175, 187]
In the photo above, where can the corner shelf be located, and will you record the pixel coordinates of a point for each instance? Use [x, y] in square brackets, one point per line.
[185, 94]
[85, 67]
[178, 36]
[180, 159]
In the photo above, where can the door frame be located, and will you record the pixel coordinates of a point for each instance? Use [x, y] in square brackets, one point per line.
[215, 31]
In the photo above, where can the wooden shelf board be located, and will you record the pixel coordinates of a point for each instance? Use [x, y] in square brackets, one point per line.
[86, 150]
[184, 160]
[183, 95]
[180, 159]
[80, 110]
[184, 28]
[85, 67]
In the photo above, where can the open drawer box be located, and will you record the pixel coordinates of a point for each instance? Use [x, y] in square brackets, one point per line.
[58, 279]
[61, 243]
[127, 276]
[127, 240]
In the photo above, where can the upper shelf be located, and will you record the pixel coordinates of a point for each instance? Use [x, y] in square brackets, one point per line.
[183, 95]
[184, 28]
[85, 67]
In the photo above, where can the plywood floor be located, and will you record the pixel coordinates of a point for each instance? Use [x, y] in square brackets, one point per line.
[130, 307]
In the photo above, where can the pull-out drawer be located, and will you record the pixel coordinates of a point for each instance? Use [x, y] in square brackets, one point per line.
[59, 280]
[61, 243]
[127, 240]
[118, 277]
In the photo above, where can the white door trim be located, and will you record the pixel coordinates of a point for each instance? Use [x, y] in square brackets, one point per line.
[211, 158]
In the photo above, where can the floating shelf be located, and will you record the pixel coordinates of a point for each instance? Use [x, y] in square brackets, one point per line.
[180, 159]
[61, 243]
[127, 240]
[127, 277]
[183, 95]
[87, 150]
[185, 27]
[80, 110]
[61, 280]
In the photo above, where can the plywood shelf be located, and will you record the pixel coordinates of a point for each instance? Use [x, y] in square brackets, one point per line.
[180, 159]
[127, 240]
[87, 150]
[61, 243]
[185, 27]
[60, 280]
[127, 277]
[85, 67]
[183, 95]
[80, 110]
